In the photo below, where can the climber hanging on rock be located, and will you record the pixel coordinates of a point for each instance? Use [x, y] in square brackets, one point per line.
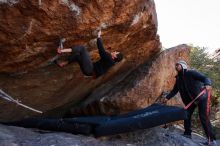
[89, 68]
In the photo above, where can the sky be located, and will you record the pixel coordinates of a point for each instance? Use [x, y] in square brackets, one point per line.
[195, 22]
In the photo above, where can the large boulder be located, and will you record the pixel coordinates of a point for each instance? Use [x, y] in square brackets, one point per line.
[30, 32]
[29, 35]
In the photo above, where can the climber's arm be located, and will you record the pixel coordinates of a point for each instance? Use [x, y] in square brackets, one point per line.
[65, 50]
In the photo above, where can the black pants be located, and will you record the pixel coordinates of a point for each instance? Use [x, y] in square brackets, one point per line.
[203, 116]
[81, 55]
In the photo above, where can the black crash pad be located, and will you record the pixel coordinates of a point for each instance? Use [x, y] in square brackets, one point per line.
[148, 117]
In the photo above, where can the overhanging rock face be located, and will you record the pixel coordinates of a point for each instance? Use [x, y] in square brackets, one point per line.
[30, 33]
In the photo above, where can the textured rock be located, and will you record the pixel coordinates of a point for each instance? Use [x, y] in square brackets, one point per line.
[149, 81]
[29, 32]
[29, 35]
[14, 136]
[141, 87]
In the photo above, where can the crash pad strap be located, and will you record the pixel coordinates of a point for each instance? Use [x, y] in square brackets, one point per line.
[201, 93]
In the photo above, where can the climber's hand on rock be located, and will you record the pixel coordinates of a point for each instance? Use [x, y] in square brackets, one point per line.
[59, 50]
